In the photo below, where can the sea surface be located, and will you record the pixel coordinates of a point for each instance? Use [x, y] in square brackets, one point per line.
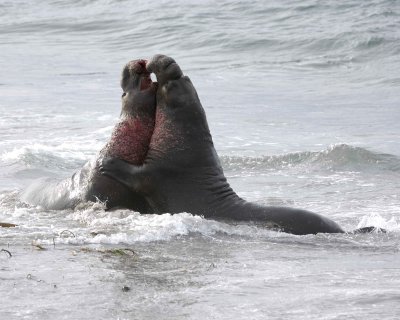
[303, 102]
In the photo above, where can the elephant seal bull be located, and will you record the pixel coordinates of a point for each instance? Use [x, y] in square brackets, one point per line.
[182, 171]
[129, 141]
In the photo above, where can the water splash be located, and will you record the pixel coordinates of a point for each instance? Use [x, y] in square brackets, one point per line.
[377, 221]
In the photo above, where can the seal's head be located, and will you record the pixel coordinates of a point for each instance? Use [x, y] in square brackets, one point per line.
[139, 91]
[165, 68]
[131, 136]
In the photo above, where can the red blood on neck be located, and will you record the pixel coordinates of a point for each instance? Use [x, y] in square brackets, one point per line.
[130, 139]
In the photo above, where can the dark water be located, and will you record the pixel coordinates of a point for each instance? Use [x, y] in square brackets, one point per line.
[302, 99]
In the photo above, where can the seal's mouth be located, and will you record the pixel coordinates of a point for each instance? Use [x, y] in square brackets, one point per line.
[145, 81]
[137, 78]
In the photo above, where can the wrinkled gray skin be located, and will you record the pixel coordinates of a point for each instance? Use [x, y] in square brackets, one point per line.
[182, 171]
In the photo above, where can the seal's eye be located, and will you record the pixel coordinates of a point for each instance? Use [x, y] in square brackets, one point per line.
[123, 95]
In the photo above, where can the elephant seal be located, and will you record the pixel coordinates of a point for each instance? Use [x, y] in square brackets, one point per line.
[182, 171]
[129, 141]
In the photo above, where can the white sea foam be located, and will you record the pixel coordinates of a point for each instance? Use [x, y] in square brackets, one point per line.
[377, 221]
[125, 226]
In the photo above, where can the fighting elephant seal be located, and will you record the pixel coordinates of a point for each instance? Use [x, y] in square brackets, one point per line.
[182, 171]
[129, 141]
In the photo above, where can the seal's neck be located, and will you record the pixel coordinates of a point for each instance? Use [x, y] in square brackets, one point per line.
[130, 139]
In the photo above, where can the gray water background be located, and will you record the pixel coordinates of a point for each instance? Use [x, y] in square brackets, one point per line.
[302, 100]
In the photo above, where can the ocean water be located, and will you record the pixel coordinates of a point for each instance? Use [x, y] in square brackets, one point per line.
[302, 100]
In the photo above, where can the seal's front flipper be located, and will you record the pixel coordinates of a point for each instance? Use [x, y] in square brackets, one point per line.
[127, 174]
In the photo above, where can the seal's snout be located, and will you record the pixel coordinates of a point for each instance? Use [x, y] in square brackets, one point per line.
[165, 68]
[137, 71]
[139, 66]
[142, 66]
[159, 63]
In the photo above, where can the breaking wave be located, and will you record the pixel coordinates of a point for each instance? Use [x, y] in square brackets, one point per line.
[340, 157]
[43, 156]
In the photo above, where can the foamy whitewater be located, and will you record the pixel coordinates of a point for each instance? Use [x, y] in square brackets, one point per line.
[302, 100]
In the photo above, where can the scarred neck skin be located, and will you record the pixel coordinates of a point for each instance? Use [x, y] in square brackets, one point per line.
[130, 139]
[131, 136]
[181, 136]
